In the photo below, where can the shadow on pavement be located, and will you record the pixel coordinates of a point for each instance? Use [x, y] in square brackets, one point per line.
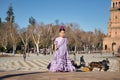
[15, 75]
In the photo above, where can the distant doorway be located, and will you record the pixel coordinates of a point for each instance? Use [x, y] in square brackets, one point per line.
[105, 47]
[119, 50]
[113, 46]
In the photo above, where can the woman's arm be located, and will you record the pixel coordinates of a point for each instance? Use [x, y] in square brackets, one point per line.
[55, 45]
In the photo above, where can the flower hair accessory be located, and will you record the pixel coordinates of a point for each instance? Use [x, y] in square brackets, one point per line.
[62, 27]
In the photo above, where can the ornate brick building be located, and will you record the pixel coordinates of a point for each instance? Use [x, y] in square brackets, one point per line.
[112, 41]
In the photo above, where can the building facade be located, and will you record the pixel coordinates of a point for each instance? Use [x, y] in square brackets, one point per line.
[112, 41]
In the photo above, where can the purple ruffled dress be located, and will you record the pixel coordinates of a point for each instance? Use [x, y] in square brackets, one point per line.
[61, 61]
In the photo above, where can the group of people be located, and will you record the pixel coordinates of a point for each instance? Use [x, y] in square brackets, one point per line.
[82, 62]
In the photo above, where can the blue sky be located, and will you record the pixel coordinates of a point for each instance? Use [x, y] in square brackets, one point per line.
[89, 14]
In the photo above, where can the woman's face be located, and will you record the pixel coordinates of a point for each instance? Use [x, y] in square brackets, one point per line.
[62, 33]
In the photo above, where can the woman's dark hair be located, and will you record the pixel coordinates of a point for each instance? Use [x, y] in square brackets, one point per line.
[61, 28]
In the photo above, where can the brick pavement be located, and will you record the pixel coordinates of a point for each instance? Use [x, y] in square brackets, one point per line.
[16, 75]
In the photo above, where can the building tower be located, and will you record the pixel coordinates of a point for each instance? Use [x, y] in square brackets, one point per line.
[112, 41]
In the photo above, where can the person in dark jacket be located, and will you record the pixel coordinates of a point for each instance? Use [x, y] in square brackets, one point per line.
[82, 61]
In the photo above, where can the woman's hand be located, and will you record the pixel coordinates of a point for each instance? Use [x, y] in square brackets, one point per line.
[56, 48]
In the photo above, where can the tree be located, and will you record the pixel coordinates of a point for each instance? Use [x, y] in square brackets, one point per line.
[98, 38]
[0, 21]
[14, 37]
[3, 35]
[70, 38]
[36, 32]
[74, 27]
[57, 22]
[12, 28]
[32, 21]
[77, 33]
[10, 14]
[24, 35]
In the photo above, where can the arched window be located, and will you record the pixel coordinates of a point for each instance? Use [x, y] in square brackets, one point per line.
[113, 5]
[116, 4]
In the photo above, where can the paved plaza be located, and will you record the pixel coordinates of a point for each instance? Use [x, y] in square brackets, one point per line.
[39, 63]
[34, 68]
